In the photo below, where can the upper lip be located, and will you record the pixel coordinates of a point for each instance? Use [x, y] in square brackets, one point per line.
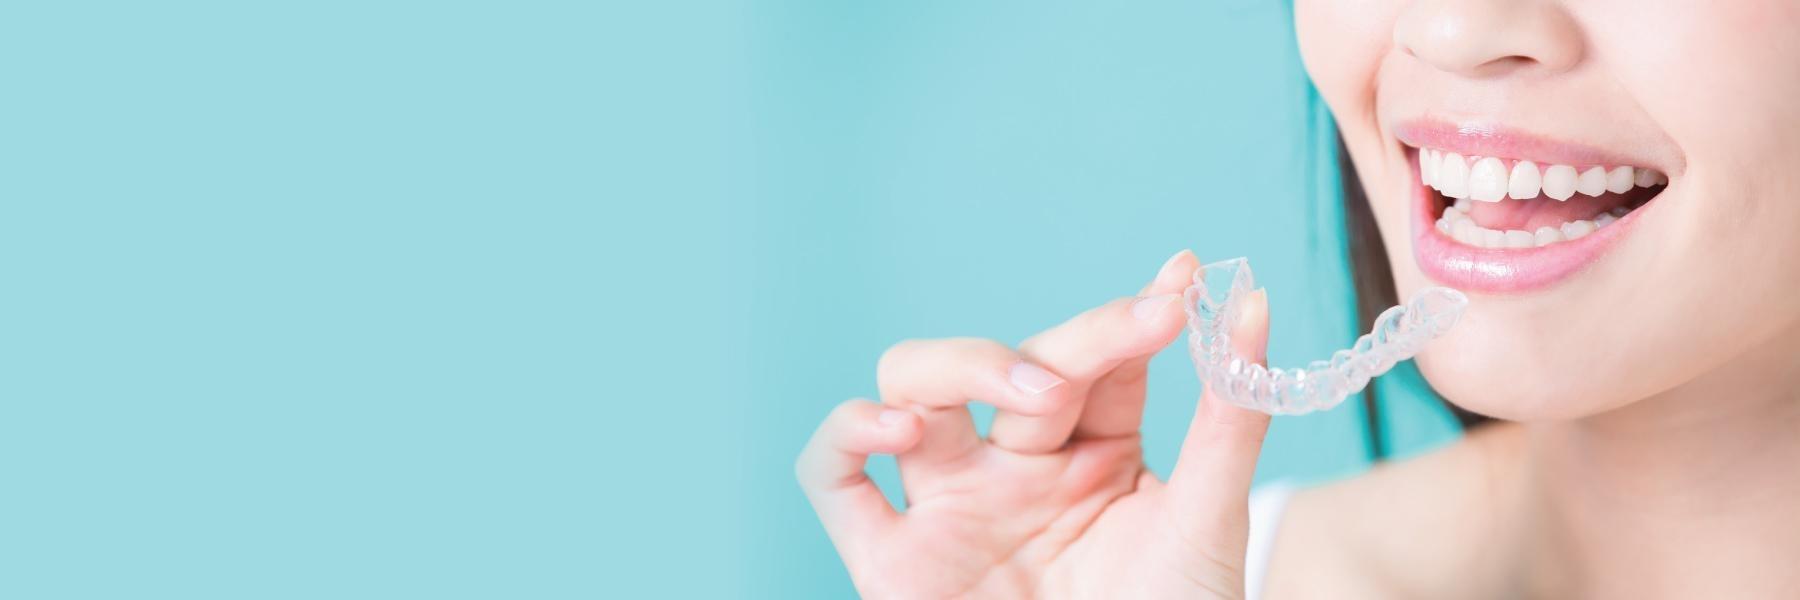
[1477, 138]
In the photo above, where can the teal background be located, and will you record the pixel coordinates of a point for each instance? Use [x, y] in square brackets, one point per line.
[540, 299]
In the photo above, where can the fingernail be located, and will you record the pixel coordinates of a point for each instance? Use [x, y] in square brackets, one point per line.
[1169, 264]
[891, 418]
[1148, 308]
[1032, 378]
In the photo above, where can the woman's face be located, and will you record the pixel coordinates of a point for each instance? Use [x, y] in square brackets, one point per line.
[1579, 311]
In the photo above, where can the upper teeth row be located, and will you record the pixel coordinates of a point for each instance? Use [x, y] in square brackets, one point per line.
[1488, 179]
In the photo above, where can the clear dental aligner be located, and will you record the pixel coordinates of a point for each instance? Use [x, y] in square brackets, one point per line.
[1213, 304]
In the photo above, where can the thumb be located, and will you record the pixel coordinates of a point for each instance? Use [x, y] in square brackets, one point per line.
[1211, 480]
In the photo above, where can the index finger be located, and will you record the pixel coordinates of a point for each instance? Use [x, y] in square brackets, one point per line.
[1085, 349]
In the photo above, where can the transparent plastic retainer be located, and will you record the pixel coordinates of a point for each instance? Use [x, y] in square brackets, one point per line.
[1213, 304]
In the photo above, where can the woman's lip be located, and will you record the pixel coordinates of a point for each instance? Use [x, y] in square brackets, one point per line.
[1500, 270]
[1487, 139]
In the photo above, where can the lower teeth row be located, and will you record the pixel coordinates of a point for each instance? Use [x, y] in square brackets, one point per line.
[1456, 223]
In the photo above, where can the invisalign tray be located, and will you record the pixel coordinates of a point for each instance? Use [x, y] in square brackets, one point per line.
[1213, 304]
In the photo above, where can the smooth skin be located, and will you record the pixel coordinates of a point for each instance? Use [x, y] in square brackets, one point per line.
[1651, 447]
[1056, 502]
[1651, 442]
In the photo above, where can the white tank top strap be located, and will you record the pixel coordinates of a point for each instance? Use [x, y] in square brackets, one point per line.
[1267, 502]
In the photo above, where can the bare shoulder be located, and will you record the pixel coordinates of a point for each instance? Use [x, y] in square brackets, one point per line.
[1400, 529]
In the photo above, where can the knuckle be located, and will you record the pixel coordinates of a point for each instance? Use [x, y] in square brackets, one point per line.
[838, 419]
[842, 412]
[894, 357]
[806, 467]
[1116, 313]
[800, 469]
[984, 347]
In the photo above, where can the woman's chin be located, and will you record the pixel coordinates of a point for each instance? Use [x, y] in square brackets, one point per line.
[1505, 389]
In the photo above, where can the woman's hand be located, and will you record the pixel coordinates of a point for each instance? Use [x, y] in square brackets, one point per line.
[1056, 501]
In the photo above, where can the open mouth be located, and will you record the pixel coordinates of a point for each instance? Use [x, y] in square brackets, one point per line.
[1502, 211]
[1496, 203]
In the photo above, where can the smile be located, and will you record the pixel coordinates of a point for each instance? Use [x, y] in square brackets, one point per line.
[1508, 213]
[1504, 203]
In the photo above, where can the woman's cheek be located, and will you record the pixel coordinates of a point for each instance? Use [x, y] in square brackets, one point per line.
[1342, 46]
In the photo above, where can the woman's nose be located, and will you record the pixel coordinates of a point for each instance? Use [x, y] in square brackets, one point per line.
[1489, 38]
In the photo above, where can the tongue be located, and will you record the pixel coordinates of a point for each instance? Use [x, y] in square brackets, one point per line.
[1529, 215]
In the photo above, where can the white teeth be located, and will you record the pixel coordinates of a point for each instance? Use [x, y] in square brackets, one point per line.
[1573, 230]
[1548, 235]
[1456, 224]
[1453, 176]
[1524, 182]
[1467, 232]
[1487, 180]
[1559, 182]
[1592, 182]
[1434, 163]
[1619, 180]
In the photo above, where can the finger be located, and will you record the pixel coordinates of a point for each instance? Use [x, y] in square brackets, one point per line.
[1174, 276]
[1082, 350]
[1211, 480]
[830, 469]
[938, 378]
[1115, 404]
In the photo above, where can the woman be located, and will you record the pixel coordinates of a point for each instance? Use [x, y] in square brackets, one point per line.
[1608, 180]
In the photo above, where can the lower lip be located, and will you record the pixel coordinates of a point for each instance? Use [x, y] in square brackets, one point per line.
[1501, 270]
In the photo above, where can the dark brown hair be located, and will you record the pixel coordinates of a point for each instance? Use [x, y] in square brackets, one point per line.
[1372, 279]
